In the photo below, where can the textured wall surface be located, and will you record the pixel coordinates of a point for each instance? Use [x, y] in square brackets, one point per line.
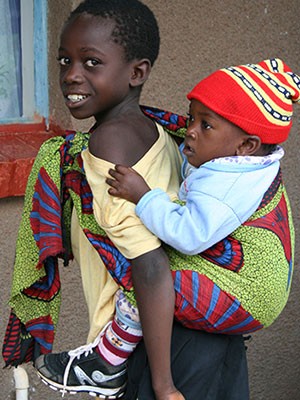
[197, 37]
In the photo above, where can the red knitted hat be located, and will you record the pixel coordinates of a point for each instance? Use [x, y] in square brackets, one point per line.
[256, 97]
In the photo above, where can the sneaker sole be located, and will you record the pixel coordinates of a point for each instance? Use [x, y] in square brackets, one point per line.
[102, 393]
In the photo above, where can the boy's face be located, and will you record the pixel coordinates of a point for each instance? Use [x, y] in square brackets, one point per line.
[94, 75]
[210, 136]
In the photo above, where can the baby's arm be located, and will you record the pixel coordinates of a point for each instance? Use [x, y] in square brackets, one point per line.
[127, 184]
[190, 228]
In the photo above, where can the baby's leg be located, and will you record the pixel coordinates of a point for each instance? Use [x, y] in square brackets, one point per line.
[121, 335]
[99, 368]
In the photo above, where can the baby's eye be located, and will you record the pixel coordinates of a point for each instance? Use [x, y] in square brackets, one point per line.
[63, 61]
[190, 117]
[206, 125]
[92, 62]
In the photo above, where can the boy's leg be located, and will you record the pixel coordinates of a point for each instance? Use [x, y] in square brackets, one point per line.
[98, 286]
[206, 366]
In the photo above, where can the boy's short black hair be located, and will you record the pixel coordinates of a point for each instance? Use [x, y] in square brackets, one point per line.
[136, 27]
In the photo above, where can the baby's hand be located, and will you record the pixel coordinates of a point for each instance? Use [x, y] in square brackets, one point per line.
[127, 184]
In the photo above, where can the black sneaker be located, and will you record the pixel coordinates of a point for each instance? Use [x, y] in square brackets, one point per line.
[82, 370]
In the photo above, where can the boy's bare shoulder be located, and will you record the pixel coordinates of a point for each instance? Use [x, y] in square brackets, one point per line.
[123, 141]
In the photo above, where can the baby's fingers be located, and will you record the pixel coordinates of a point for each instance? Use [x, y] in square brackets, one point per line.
[112, 172]
[113, 192]
[111, 182]
[121, 169]
[114, 187]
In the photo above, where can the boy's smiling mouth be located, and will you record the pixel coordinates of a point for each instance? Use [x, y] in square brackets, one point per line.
[75, 98]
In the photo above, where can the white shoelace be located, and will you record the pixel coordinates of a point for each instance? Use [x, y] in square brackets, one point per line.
[76, 353]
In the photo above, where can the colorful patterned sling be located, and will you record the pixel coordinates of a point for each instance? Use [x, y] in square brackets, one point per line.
[210, 288]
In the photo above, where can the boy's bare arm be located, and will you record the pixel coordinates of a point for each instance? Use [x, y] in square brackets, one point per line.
[155, 294]
[151, 274]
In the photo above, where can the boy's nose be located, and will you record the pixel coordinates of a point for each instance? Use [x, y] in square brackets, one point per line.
[73, 74]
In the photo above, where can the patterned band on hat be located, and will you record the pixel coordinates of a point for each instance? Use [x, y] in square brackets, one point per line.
[256, 97]
[251, 77]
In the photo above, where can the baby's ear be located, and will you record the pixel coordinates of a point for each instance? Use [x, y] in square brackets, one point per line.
[250, 146]
[140, 72]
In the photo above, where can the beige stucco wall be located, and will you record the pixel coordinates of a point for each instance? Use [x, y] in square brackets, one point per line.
[197, 37]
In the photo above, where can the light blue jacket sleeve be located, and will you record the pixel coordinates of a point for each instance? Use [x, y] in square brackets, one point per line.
[214, 208]
[191, 228]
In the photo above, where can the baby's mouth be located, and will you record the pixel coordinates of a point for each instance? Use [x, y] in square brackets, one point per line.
[188, 148]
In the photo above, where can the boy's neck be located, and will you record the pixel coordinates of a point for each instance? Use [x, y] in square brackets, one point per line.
[129, 106]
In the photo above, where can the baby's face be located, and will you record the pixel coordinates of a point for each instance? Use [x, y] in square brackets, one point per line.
[210, 136]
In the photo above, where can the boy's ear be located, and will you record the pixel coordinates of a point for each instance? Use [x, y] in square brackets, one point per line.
[249, 146]
[140, 72]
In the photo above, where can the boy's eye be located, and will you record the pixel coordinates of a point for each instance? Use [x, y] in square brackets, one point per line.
[92, 62]
[63, 60]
